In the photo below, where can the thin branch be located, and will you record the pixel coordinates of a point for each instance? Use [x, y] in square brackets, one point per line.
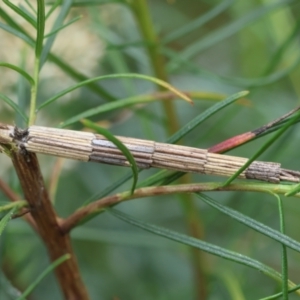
[243, 138]
[12, 196]
[146, 26]
[54, 178]
[8, 192]
[109, 201]
[57, 243]
[143, 18]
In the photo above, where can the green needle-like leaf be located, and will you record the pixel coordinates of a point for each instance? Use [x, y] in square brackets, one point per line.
[293, 191]
[284, 257]
[40, 27]
[19, 70]
[43, 275]
[202, 117]
[18, 31]
[279, 295]
[197, 23]
[14, 106]
[198, 244]
[64, 10]
[116, 76]
[5, 219]
[263, 229]
[63, 26]
[21, 13]
[226, 31]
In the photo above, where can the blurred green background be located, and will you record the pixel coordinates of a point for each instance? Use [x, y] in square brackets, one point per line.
[216, 47]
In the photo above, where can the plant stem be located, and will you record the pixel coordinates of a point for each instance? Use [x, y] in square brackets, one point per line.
[32, 112]
[98, 206]
[38, 52]
[143, 17]
[57, 242]
[12, 196]
[284, 259]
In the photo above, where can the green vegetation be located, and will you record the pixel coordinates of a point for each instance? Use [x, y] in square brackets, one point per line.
[130, 68]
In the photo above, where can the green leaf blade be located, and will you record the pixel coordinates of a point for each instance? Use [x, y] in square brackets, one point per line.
[14, 106]
[204, 246]
[49, 269]
[251, 223]
[4, 221]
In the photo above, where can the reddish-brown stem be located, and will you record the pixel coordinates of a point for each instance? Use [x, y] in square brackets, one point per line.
[8, 192]
[57, 168]
[109, 201]
[12, 196]
[57, 242]
[143, 17]
[243, 138]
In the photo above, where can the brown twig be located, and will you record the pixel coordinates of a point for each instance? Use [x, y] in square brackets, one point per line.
[57, 168]
[8, 192]
[12, 196]
[243, 138]
[109, 201]
[57, 242]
